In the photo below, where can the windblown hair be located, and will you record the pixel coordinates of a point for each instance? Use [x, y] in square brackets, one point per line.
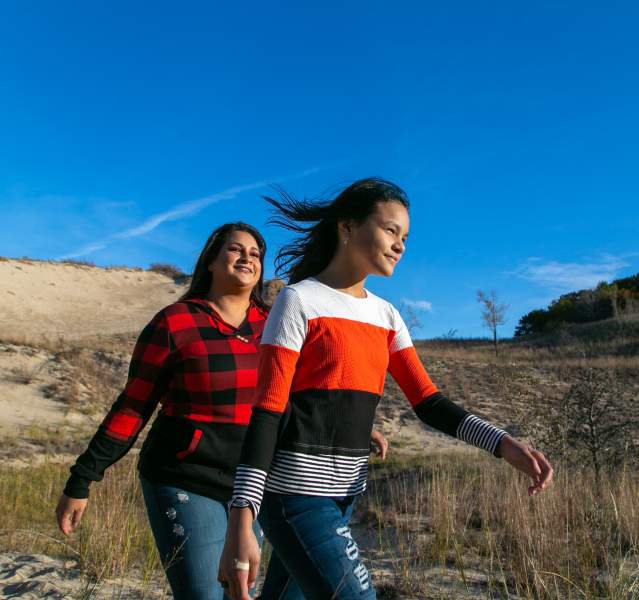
[202, 277]
[310, 253]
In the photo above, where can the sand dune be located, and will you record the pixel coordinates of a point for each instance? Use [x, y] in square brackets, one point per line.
[49, 300]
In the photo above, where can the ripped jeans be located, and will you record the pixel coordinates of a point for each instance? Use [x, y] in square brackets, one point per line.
[189, 531]
[318, 557]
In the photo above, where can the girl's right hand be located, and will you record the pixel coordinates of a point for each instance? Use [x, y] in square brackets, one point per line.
[69, 512]
[240, 546]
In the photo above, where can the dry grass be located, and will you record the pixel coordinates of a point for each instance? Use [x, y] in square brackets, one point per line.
[25, 374]
[457, 526]
[471, 515]
[113, 538]
[88, 381]
[113, 542]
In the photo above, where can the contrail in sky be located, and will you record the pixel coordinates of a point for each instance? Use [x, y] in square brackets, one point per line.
[184, 210]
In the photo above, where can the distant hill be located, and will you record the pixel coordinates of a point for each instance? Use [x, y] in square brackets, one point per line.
[605, 301]
[46, 300]
[43, 300]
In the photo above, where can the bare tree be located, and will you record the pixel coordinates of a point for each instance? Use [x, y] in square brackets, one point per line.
[493, 313]
[411, 319]
[596, 423]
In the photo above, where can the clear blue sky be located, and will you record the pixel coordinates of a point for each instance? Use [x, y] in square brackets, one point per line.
[129, 130]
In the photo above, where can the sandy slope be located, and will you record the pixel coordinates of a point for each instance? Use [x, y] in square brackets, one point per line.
[35, 576]
[43, 299]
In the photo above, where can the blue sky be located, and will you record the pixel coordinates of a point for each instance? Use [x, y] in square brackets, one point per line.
[129, 130]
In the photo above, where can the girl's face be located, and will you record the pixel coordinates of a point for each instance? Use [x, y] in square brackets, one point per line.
[377, 244]
[238, 262]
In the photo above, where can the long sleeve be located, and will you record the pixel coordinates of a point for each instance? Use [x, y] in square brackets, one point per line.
[430, 405]
[282, 340]
[149, 374]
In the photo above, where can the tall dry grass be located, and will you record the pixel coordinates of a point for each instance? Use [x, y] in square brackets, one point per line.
[465, 515]
[576, 540]
[113, 541]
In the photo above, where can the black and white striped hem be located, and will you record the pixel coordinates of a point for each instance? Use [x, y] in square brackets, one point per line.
[248, 488]
[477, 432]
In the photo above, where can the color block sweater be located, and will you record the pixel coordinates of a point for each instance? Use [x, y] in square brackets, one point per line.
[323, 359]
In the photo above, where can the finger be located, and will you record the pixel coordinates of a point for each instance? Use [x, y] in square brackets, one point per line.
[252, 574]
[64, 523]
[535, 466]
[384, 449]
[77, 515]
[238, 585]
[530, 466]
[547, 471]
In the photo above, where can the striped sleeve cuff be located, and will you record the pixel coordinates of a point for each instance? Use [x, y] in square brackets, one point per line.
[248, 488]
[477, 432]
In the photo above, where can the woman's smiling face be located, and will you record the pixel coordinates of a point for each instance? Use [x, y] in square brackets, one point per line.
[238, 263]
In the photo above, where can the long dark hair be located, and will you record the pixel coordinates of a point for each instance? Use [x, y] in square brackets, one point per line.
[310, 253]
[202, 277]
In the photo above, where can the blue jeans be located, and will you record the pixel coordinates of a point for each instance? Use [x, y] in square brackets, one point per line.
[189, 531]
[311, 537]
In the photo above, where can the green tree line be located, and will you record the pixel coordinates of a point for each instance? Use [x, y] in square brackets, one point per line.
[605, 301]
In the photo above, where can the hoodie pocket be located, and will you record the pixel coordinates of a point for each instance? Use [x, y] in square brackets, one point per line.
[195, 440]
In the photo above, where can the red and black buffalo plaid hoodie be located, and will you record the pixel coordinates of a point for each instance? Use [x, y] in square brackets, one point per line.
[203, 372]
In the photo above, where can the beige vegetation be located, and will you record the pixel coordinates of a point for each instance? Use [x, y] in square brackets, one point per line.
[439, 520]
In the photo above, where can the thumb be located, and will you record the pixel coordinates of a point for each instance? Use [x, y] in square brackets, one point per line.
[536, 467]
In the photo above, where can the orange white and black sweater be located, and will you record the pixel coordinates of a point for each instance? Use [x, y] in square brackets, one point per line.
[323, 359]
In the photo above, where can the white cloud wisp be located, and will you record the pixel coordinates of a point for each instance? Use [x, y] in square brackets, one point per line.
[182, 211]
[570, 276]
[424, 305]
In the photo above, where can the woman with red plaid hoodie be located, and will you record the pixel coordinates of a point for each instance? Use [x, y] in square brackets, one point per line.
[197, 358]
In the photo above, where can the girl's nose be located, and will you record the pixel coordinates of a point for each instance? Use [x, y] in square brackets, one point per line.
[399, 246]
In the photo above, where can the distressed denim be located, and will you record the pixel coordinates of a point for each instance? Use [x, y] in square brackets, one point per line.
[189, 532]
[311, 537]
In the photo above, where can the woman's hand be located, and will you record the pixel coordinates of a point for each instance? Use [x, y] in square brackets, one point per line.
[69, 512]
[379, 445]
[528, 461]
[240, 547]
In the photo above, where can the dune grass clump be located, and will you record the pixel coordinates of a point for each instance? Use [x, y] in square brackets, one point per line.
[468, 513]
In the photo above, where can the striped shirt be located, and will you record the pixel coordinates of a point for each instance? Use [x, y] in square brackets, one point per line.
[323, 359]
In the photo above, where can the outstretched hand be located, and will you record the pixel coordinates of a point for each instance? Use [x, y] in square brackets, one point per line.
[528, 461]
[69, 512]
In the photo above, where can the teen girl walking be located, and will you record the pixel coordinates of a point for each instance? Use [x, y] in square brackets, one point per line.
[326, 347]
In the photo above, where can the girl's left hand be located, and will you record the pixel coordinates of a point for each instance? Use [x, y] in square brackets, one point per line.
[528, 461]
[379, 445]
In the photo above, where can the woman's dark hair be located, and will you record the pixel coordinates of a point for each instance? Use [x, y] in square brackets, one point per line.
[202, 277]
[309, 254]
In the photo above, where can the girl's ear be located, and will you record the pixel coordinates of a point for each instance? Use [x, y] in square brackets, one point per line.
[344, 229]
